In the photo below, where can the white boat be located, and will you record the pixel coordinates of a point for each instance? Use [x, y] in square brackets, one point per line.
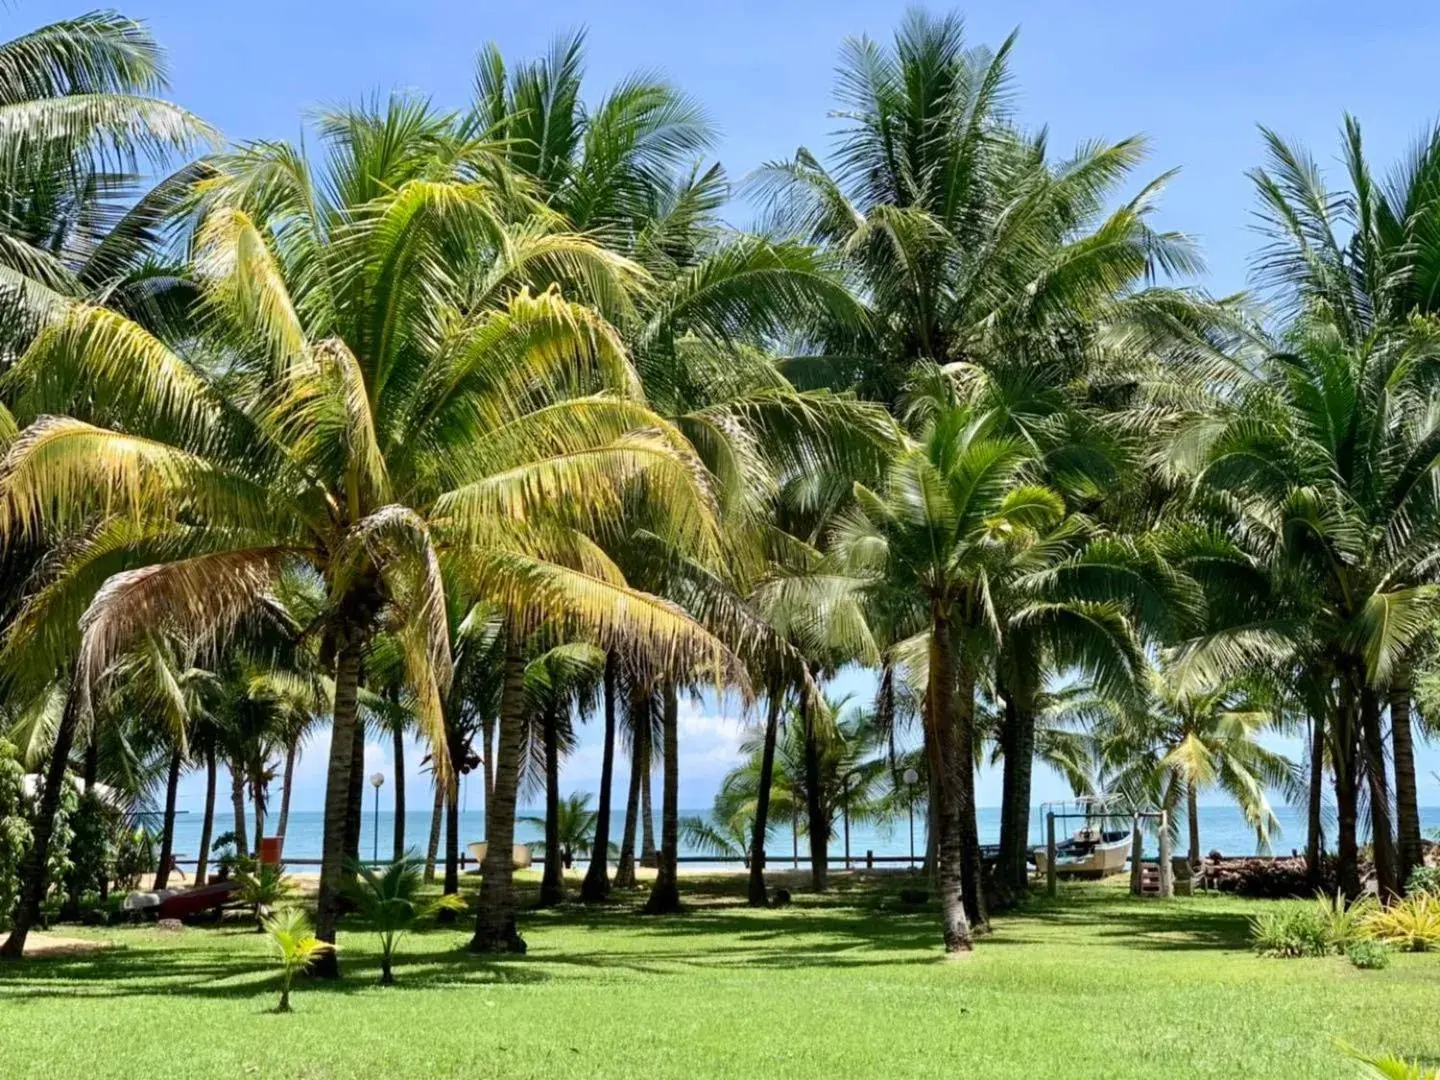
[1091, 852]
[1100, 847]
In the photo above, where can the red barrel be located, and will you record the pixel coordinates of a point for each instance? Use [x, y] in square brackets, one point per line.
[271, 848]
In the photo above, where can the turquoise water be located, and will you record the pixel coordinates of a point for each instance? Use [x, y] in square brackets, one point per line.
[1222, 828]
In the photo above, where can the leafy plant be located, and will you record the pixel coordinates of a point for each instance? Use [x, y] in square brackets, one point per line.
[296, 945]
[265, 887]
[1291, 930]
[1369, 955]
[1412, 924]
[134, 856]
[1385, 1067]
[1344, 922]
[390, 900]
[1424, 879]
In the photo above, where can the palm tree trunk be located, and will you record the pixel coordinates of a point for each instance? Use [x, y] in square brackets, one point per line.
[665, 895]
[647, 814]
[817, 820]
[432, 848]
[487, 758]
[1315, 826]
[758, 895]
[1381, 808]
[167, 824]
[495, 919]
[941, 729]
[552, 882]
[207, 820]
[258, 799]
[1344, 762]
[639, 713]
[970, 864]
[337, 799]
[1018, 750]
[398, 744]
[1411, 850]
[32, 871]
[1192, 819]
[237, 805]
[288, 779]
[452, 838]
[355, 804]
[596, 887]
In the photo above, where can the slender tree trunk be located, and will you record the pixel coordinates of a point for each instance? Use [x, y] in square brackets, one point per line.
[596, 887]
[552, 882]
[943, 755]
[452, 839]
[487, 758]
[971, 868]
[167, 824]
[758, 895]
[1018, 748]
[33, 870]
[639, 724]
[665, 895]
[1192, 819]
[495, 929]
[288, 780]
[207, 821]
[337, 800]
[647, 814]
[237, 804]
[398, 737]
[1411, 848]
[90, 773]
[1345, 764]
[1381, 807]
[816, 816]
[355, 805]
[259, 802]
[1315, 826]
[432, 848]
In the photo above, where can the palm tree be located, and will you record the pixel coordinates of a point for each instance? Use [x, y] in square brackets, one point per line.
[575, 824]
[1186, 742]
[1317, 473]
[378, 383]
[296, 947]
[954, 502]
[389, 900]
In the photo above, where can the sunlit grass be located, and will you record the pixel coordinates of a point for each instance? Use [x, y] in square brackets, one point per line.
[851, 985]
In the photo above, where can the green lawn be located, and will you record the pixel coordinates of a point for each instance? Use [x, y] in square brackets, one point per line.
[1094, 985]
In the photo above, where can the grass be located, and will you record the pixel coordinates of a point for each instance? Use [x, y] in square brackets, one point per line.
[849, 985]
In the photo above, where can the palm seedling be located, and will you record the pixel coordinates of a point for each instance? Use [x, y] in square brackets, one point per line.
[296, 946]
[265, 887]
[389, 899]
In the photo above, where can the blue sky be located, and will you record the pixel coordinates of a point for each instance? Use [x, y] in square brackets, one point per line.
[1195, 78]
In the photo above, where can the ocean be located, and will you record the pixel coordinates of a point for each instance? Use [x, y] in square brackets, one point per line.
[1222, 828]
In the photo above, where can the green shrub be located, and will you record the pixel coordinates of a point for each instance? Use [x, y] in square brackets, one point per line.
[1412, 924]
[1369, 955]
[1291, 930]
[1344, 922]
[1424, 879]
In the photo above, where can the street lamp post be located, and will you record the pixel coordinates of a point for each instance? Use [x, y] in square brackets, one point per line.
[376, 780]
[910, 776]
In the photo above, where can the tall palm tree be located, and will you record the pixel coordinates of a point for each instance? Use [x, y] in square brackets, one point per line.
[953, 502]
[1186, 742]
[1318, 472]
[378, 383]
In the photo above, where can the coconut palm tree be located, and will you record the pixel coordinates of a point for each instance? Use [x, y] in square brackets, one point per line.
[1318, 472]
[575, 824]
[954, 503]
[389, 900]
[379, 382]
[1184, 743]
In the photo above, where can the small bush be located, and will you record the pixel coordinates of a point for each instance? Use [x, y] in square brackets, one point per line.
[1412, 924]
[1291, 930]
[1344, 922]
[1424, 879]
[1369, 955]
